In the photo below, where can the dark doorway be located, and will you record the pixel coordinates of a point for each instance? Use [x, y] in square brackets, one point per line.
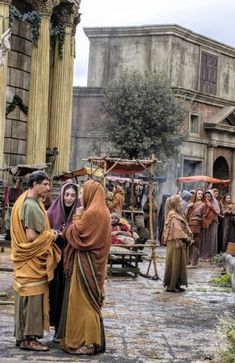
[220, 168]
[221, 171]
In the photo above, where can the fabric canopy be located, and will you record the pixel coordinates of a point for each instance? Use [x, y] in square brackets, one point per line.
[202, 178]
[122, 166]
[81, 172]
[22, 170]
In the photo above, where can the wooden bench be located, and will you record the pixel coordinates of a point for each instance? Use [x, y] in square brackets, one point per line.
[124, 261]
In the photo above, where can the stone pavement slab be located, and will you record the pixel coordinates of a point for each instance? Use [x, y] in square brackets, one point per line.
[143, 322]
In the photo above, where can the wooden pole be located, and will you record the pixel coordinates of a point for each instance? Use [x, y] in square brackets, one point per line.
[104, 171]
[153, 254]
[132, 206]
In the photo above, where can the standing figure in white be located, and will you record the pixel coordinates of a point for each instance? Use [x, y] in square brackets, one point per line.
[4, 46]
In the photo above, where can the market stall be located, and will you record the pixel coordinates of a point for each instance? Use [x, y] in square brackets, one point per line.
[130, 170]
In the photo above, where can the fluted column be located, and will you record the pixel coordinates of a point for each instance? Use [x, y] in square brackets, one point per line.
[233, 176]
[4, 25]
[62, 89]
[39, 85]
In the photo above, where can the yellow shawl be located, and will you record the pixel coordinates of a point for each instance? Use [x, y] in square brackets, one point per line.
[33, 262]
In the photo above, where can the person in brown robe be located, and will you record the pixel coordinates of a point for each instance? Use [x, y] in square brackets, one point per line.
[220, 221]
[194, 214]
[117, 201]
[209, 238]
[177, 235]
[228, 211]
[85, 261]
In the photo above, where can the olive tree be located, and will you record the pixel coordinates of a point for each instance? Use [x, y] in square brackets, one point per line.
[142, 115]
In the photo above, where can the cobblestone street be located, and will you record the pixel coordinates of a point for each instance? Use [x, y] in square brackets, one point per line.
[143, 323]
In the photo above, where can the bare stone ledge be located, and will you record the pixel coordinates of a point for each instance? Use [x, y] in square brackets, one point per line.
[229, 264]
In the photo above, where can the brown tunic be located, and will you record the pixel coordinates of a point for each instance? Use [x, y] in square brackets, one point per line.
[176, 234]
[85, 257]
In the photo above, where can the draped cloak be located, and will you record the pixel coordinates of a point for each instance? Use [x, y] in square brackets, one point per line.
[176, 228]
[33, 262]
[87, 253]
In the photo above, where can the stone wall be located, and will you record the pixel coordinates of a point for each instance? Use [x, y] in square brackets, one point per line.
[86, 124]
[19, 62]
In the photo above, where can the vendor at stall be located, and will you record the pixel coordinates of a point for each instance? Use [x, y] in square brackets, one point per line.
[120, 231]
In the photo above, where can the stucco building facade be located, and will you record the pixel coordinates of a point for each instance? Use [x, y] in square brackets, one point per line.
[202, 72]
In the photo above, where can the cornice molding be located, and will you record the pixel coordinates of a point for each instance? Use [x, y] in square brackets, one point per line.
[167, 30]
[196, 96]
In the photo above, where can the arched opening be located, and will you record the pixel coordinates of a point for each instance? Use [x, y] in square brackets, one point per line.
[221, 168]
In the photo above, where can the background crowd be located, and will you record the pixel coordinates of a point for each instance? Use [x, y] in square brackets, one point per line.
[60, 251]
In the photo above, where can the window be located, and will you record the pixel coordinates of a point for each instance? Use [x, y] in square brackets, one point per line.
[194, 124]
[208, 81]
[192, 167]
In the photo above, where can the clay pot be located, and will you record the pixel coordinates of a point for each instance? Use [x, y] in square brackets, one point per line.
[231, 249]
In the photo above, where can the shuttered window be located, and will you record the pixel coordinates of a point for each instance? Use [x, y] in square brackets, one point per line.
[208, 81]
[194, 124]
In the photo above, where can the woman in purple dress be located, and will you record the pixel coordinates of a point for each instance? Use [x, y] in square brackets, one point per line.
[60, 214]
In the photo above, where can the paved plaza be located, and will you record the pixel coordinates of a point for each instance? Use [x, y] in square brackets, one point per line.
[143, 323]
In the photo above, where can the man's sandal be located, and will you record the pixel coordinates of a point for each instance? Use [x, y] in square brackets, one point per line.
[83, 350]
[33, 345]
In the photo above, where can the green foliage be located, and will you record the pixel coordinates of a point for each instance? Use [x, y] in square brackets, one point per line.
[217, 260]
[223, 281]
[32, 17]
[58, 33]
[229, 354]
[142, 115]
[226, 352]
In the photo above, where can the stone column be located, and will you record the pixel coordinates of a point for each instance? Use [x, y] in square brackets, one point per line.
[233, 175]
[39, 85]
[4, 25]
[60, 123]
[210, 160]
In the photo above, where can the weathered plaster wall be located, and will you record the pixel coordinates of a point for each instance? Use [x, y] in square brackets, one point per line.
[86, 124]
[174, 50]
[184, 63]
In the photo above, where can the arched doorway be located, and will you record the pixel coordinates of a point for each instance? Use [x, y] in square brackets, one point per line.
[221, 168]
[221, 171]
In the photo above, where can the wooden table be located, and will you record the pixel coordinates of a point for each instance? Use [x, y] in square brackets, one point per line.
[124, 261]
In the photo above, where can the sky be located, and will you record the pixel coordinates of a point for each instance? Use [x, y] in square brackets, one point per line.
[211, 18]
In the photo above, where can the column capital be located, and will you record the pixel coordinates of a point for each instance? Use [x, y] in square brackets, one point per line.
[67, 12]
[7, 2]
[44, 6]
